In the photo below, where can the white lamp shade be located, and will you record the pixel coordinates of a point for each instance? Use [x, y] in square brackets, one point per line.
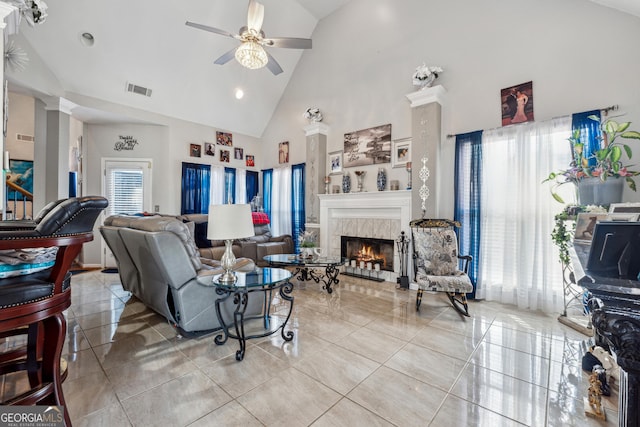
[228, 222]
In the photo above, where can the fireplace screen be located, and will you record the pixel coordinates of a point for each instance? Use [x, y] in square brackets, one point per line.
[368, 250]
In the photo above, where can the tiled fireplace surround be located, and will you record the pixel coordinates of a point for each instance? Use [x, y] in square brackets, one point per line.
[381, 215]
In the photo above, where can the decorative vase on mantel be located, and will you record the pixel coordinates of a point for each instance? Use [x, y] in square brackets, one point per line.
[346, 183]
[594, 191]
[381, 179]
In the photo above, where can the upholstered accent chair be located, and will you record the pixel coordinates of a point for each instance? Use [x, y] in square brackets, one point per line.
[436, 262]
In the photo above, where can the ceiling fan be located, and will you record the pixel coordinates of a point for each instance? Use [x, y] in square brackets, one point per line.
[251, 53]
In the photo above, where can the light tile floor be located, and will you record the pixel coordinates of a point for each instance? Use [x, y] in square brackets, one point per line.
[361, 356]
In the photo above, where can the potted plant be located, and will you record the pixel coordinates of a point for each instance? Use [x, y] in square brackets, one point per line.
[307, 241]
[608, 163]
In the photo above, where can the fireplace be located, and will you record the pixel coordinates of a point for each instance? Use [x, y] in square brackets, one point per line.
[368, 252]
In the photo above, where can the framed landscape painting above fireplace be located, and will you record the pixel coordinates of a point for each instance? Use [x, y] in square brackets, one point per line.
[367, 146]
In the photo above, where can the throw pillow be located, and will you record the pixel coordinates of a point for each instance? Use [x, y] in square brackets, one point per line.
[200, 235]
[260, 218]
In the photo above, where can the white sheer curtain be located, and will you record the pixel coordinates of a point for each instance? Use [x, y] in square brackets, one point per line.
[518, 261]
[241, 186]
[281, 202]
[216, 195]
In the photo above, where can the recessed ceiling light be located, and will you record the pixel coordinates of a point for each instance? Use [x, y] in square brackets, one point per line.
[239, 93]
[87, 39]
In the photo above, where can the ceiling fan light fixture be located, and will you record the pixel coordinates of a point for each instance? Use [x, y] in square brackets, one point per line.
[251, 55]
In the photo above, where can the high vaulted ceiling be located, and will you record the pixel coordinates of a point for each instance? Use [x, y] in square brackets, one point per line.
[146, 43]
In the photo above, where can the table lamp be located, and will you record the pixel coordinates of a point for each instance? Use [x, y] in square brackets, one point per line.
[229, 222]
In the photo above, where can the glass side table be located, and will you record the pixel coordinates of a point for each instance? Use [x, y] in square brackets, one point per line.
[260, 280]
[305, 268]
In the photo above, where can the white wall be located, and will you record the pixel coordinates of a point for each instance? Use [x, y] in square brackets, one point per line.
[363, 56]
[21, 120]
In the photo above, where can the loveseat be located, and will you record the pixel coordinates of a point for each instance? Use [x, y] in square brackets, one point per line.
[159, 263]
[254, 247]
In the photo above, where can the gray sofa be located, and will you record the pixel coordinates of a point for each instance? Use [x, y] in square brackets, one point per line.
[159, 263]
[254, 248]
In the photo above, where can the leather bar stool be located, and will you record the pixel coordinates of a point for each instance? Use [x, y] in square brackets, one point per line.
[33, 304]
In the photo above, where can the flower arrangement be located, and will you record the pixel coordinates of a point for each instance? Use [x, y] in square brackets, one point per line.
[307, 239]
[313, 115]
[34, 11]
[424, 76]
[608, 158]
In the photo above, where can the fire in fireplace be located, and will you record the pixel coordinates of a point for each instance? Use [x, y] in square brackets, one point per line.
[365, 249]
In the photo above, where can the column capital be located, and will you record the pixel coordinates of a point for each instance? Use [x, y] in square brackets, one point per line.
[9, 19]
[315, 128]
[427, 96]
[55, 103]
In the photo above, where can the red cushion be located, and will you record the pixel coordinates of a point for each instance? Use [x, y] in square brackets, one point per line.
[260, 218]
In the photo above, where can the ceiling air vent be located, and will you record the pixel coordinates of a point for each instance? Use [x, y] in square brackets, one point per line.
[25, 138]
[138, 89]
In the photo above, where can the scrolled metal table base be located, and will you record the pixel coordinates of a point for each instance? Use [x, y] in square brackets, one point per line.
[240, 299]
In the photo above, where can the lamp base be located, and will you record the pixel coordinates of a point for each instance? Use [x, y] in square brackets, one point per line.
[228, 277]
[228, 260]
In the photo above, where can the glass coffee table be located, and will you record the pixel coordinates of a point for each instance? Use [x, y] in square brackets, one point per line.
[265, 280]
[310, 268]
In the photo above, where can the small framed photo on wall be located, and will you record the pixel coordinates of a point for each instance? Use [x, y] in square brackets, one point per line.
[238, 153]
[224, 138]
[517, 104]
[225, 156]
[335, 162]
[401, 153]
[195, 150]
[250, 160]
[209, 149]
[283, 152]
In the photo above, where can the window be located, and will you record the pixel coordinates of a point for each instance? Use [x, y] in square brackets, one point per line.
[127, 187]
[196, 179]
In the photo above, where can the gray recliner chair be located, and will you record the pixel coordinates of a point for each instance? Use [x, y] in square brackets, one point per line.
[159, 263]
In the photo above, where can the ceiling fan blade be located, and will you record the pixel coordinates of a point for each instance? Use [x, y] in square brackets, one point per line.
[255, 16]
[273, 65]
[288, 42]
[211, 29]
[226, 57]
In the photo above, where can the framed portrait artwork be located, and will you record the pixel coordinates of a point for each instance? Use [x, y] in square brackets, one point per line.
[195, 150]
[225, 156]
[517, 104]
[586, 223]
[209, 149]
[283, 152]
[238, 153]
[401, 153]
[335, 162]
[224, 138]
[250, 160]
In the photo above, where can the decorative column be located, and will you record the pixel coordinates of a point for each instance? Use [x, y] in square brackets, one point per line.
[315, 171]
[51, 154]
[9, 25]
[426, 131]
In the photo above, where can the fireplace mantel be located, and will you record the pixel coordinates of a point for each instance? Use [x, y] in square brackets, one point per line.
[382, 214]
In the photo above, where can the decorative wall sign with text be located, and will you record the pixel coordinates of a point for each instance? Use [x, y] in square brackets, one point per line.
[125, 143]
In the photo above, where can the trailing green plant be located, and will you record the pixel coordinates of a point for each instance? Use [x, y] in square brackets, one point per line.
[562, 235]
[608, 159]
